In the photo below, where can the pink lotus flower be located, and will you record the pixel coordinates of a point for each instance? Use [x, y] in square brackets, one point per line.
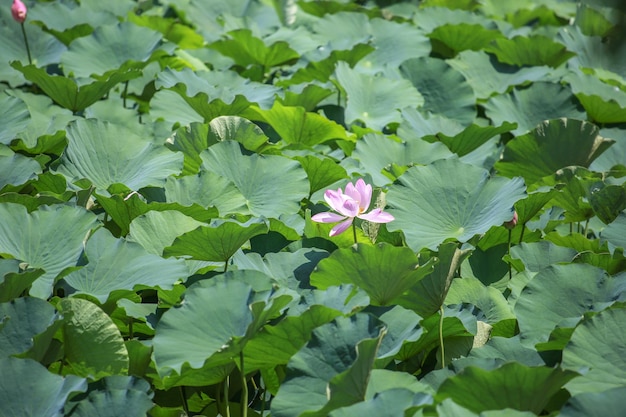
[19, 10]
[511, 223]
[353, 203]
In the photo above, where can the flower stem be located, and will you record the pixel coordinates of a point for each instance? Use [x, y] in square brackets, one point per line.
[508, 252]
[226, 395]
[30, 60]
[244, 388]
[354, 232]
[443, 353]
[184, 397]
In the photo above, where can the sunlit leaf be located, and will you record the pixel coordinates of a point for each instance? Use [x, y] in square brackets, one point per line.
[217, 242]
[552, 145]
[271, 185]
[449, 199]
[50, 238]
[444, 89]
[296, 126]
[596, 349]
[109, 48]
[383, 271]
[115, 264]
[373, 99]
[522, 388]
[66, 92]
[93, 344]
[24, 377]
[579, 288]
[107, 154]
[529, 107]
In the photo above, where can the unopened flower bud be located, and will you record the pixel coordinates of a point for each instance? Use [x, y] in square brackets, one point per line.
[511, 223]
[19, 10]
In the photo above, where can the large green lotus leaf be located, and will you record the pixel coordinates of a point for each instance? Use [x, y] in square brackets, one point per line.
[445, 90]
[115, 264]
[531, 106]
[429, 294]
[615, 233]
[401, 324]
[271, 185]
[171, 108]
[295, 125]
[385, 272]
[108, 48]
[46, 131]
[463, 36]
[156, 230]
[376, 152]
[14, 282]
[487, 76]
[108, 154]
[592, 52]
[20, 320]
[321, 172]
[595, 404]
[171, 28]
[25, 378]
[246, 49]
[275, 345]
[343, 30]
[215, 321]
[614, 156]
[92, 342]
[450, 199]
[508, 349]
[604, 103]
[44, 48]
[308, 97]
[394, 42]
[417, 124]
[607, 201]
[382, 380]
[289, 269]
[513, 385]
[488, 299]
[205, 14]
[321, 68]
[205, 190]
[458, 329]
[597, 350]
[50, 238]
[552, 145]
[532, 50]
[389, 403]
[217, 242]
[332, 370]
[473, 137]
[579, 289]
[429, 18]
[114, 396]
[237, 128]
[67, 23]
[205, 90]
[66, 92]
[16, 169]
[538, 255]
[373, 99]
[191, 140]
[14, 117]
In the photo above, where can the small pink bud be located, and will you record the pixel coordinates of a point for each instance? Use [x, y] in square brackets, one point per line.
[511, 223]
[19, 10]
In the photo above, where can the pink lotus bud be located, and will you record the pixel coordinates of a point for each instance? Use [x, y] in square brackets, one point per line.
[511, 223]
[19, 10]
